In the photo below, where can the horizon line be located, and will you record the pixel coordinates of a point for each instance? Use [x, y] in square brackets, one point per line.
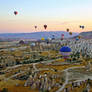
[36, 32]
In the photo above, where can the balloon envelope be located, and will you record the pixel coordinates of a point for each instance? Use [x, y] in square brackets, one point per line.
[65, 51]
[77, 38]
[62, 34]
[35, 27]
[49, 38]
[82, 27]
[42, 39]
[15, 12]
[45, 26]
[67, 30]
[70, 33]
[32, 44]
[53, 37]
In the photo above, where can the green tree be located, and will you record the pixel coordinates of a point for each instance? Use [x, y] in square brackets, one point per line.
[4, 90]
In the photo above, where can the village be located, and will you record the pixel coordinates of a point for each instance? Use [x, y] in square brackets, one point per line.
[39, 66]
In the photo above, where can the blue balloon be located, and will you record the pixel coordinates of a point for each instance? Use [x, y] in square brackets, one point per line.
[77, 39]
[82, 27]
[65, 49]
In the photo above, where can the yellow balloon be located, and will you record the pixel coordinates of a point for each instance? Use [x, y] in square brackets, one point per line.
[42, 39]
[70, 33]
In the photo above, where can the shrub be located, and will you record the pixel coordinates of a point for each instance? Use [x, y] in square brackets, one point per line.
[4, 90]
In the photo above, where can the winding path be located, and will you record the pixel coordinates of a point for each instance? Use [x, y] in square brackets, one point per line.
[35, 68]
[6, 79]
[67, 77]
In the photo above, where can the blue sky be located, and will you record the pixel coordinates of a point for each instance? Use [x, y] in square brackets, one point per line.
[39, 12]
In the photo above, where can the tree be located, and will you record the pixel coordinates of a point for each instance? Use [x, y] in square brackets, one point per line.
[85, 90]
[4, 90]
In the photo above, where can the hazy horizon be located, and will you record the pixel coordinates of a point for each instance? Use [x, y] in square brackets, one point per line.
[34, 32]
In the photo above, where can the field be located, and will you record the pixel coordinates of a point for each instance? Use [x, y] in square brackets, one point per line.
[25, 68]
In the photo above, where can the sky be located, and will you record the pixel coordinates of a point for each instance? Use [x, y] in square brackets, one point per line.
[57, 14]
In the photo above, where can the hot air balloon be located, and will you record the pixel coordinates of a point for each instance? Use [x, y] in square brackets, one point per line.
[70, 33]
[32, 44]
[67, 30]
[65, 51]
[15, 12]
[49, 38]
[42, 39]
[53, 37]
[35, 27]
[45, 27]
[82, 27]
[21, 42]
[77, 38]
[62, 36]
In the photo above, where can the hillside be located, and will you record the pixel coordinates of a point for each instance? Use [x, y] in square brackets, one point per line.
[36, 35]
[87, 35]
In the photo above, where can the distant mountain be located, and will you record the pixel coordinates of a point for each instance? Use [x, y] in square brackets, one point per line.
[36, 35]
[86, 35]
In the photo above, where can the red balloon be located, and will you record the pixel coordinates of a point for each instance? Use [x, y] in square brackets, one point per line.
[15, 12]
[35, 27]
[45, 26]
[62, 34]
